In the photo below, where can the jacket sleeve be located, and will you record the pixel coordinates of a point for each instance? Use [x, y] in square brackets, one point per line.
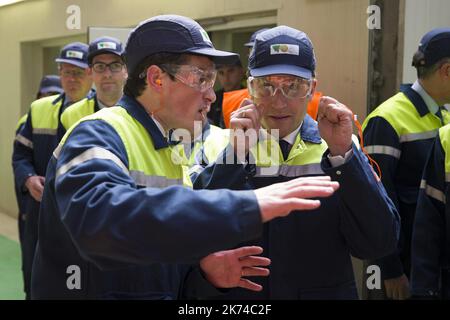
[428, 238]
[113, 221]
[369, 220]
[383, 144]
[22, 159]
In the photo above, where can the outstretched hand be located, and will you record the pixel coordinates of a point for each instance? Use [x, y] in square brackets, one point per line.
[279, 199]
[227, 269]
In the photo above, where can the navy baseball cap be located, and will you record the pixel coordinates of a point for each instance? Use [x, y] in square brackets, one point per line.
[104, 45]
[50, 83]
[434, 46]
[171, 34]
[282, 50]
[74, 53]
[251, 42]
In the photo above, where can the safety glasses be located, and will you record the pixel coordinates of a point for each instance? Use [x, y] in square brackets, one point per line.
[101, 67]
[194, 77]
[291, 87]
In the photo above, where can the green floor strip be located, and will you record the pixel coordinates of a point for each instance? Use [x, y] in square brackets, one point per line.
[11, 284]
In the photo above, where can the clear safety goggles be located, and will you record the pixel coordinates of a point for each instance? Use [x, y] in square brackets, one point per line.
[194, 77]
[290, 86]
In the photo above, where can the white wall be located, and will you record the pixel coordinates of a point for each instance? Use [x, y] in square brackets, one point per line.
[420, 17]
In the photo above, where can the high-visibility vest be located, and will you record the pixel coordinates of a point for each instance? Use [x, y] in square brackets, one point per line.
[146, 165]
[213, 141]
[233, 99]
[78, 110]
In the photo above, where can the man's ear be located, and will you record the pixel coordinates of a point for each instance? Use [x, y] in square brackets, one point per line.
[313, 89]
[154, 75]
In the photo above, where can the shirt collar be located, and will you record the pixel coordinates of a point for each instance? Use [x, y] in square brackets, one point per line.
[308, 131]
[290, 138]
[137, 111]
[429, 101]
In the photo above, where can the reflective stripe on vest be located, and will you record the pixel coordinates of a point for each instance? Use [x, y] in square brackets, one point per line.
[77, 111]
[419, 136]
[404, 118]
[45, 115]
[90, 154]
[290, 170]
[432, 192]
[26, 142]
[146, 166]
[386, 150]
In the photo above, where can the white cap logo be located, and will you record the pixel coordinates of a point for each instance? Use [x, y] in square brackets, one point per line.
[74, 54]
[106, 45]
[292, 49]
[205, 35]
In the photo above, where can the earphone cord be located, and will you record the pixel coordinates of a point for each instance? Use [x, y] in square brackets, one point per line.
[361, 138]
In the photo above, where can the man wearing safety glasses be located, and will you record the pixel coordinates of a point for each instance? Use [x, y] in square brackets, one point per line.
[310, 253]
[108, 73]
[119, 219]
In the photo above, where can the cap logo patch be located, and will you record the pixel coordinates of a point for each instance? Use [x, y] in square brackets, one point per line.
[106, 45]
[205, 35]
[74, 54]
[292, 49]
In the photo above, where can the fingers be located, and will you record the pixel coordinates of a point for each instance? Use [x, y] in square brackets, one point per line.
[293, 204]
[247, 110]
[249, 285]
[299, 183]
[248, 251]
[389, 292]
[255, 272]
[313, 191]
[252, 261]
[333, 110]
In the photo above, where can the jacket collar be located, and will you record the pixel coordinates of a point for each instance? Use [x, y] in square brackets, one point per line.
[415, 99]
[137, 111]
[309, 131]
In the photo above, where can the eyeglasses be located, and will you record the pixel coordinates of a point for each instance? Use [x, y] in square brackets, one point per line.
[114, 67]
[73, 73]
[194, 77]
[291, 87]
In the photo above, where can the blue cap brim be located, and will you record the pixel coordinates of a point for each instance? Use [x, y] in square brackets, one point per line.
[73, 62]
[103, 51]
[249, 44]
[51, 89]
[218, 56]
[282, 69]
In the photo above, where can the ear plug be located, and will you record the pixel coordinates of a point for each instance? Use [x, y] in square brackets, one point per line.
[158, 82]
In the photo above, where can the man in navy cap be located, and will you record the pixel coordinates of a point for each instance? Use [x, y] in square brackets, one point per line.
[50, 85]
[399, 135]
[116, 199]
[310, 253]
[38, 137]
[251, 41]
[108, 73]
